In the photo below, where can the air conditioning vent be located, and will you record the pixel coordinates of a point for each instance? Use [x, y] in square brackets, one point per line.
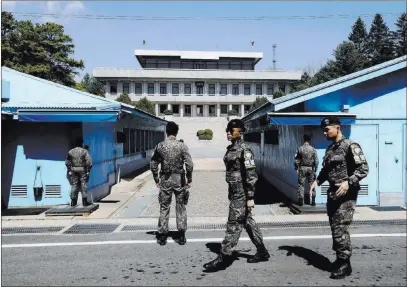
[364, 190]
[19, 191]
[53, 191]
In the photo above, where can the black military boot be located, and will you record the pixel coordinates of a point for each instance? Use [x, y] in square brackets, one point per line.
[220, 262]
[341, 269]
[85, 202]
[162, 239]
[74, 202]
[182, 239]
[261, 255]
[313, 201]
[301, 201]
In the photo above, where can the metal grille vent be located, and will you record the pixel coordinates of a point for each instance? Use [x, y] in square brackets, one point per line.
[53, 191]
[19, 191]
[91, 228]
[27, 230]
[364, 190]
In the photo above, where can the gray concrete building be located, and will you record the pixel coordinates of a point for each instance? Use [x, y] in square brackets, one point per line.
[196, 83]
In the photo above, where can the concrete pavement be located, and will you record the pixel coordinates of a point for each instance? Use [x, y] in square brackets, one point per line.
[379, 258]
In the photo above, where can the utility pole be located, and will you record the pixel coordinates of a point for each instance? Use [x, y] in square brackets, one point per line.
[274, 56]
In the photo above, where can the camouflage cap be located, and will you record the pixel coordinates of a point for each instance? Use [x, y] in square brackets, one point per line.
[235, 123]
[329, 121]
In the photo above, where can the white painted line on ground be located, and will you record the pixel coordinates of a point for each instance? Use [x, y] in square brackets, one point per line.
[193, 240]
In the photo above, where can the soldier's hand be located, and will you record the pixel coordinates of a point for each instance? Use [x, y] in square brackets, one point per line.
[69, 172]
[250, 205]
[158, 185]
[343, 188]
[189, 185]
[313, 186]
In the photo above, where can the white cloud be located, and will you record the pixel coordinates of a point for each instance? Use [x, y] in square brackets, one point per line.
[8, 5]
[62, 8]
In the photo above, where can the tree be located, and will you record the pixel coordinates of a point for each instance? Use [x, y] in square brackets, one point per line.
[348, 59]
[42, 50]
[258, 103]
[359, 37]
[302, 84]
[91, 85]
[400, 36]
[124, 98]
[380, 46]
[326, 73]
[146, 105]
[278, 94]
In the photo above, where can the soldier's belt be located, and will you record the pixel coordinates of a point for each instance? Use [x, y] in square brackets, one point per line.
[78, 169]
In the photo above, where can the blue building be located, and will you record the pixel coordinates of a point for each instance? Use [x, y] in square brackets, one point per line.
[40, 122]
[372, 106]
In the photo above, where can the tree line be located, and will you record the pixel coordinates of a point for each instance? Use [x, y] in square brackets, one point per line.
[362, 50]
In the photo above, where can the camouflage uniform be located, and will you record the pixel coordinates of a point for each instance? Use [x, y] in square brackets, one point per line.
[306, 162]
[172, 155]
[343, 161]
[79, 164]
[241, 177]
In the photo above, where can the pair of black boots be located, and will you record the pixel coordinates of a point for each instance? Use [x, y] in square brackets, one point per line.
[85, 202]
[341, 268]
[162, 239]
[222, 261]
[301, 201]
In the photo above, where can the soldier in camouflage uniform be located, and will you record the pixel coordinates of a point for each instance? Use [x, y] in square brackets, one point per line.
[171, 155]
[344, 166]
[79, 165]
[241, 177]
[306, 164]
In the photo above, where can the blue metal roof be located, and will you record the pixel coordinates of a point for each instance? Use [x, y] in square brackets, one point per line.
[327, 87]
[27, 91]
[339, 83]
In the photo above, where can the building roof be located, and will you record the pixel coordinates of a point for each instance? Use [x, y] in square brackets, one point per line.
[198, 55]
[339, 83]
[329, 87]
[172, 74]
[27, 92]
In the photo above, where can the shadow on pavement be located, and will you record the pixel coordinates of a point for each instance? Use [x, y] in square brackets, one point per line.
[267, 194]
[134, 174]
[215, 248]
[174, 235]
[24, 211]
[313, 258]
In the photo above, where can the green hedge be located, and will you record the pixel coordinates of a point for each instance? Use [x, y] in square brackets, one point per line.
[206, 134]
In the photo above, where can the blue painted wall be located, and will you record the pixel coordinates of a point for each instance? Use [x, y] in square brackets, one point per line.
[380, 105]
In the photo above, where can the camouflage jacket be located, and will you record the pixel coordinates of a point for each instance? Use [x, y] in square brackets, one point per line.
[240, 167]
[343, 161]
[306, 155]
[172, 155]
[78, 157]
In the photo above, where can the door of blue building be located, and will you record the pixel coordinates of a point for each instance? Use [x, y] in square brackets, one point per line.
[367, 137]
[405, 162]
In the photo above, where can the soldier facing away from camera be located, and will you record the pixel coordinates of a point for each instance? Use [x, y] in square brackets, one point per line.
[171, 154]
[344, 166]
[306, 164]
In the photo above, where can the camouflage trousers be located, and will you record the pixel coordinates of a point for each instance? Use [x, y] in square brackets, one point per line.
[305, 172]
[78, 182]
[164, 198]
[239, 217]
[340, 215]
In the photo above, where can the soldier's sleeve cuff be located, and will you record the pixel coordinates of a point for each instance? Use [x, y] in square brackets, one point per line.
[353, 180]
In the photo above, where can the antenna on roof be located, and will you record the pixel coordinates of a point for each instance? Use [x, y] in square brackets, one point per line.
[144, 42]
[274, 56]
[252, 42]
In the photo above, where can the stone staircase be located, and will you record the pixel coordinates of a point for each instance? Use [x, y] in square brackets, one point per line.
[214, 148]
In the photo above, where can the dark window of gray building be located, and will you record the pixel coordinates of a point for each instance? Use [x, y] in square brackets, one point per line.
[175, 109]
[270, 89]
[212, 90]
[126, 88]
[175, 88]
[138, 88]
[223, 89]
[235, 89]
[223, 109]
[113, 88]
[259, 89]
[163, 88]
[187, 89]
[151, 88]
[247, 89]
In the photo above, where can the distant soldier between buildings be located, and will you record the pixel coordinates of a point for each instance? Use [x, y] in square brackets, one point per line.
[306, 164]
[171, 155]
[79, 165]
[344, 166]
[241, 176]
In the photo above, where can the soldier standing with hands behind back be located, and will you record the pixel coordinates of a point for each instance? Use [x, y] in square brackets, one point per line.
[171, 155]
[344, 166]
[79, 165]
[306, 164]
